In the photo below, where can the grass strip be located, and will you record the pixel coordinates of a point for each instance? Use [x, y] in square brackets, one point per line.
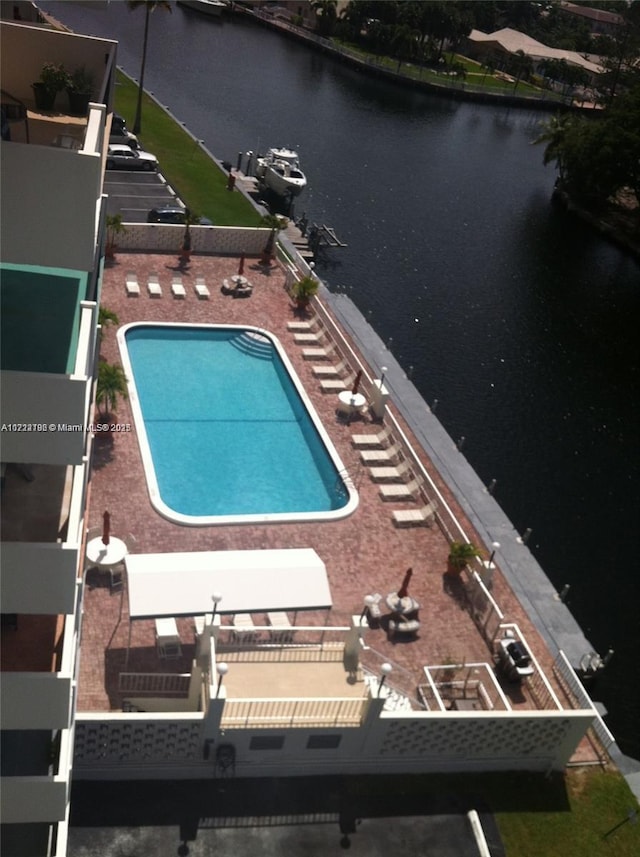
[200, 183]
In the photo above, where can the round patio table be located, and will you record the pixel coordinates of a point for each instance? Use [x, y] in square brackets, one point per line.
[106, 556]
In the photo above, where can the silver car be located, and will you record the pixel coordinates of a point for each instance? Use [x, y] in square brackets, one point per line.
[121, 157]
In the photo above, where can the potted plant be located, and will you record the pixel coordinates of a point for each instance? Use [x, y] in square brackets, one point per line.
[53, 78]
[460, 554]
[79, 89]
[115, 227]
[112, 382]
[303, 290]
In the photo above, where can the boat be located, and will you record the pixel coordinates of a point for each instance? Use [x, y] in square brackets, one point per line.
[207, 7]
[280, 171]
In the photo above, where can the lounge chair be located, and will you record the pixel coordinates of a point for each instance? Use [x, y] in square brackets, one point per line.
[423, 517]
[282, 630]
[308, 338]
[337, 385]
[400, 491]
[153, 285]
[318, 353]
[380, 456]
[330, 371]
[302, 326]
[243, 628]
[391, 474]
[177, 289]
[372, 441]
[132, 286]
[201, 290]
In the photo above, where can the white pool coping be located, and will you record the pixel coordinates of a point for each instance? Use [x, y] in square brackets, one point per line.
[212, 520]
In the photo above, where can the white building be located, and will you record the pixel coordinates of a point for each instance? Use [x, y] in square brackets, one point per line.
[52, 218]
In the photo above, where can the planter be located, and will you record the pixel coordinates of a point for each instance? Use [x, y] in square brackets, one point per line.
[78, 102]
[45, 98]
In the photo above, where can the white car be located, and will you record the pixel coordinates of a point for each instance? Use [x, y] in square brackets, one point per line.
[124, 158]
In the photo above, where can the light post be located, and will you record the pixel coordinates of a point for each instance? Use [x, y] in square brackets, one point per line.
[495, 546]
[222, 669]
[216, 597]
[383, 372]
[385, 669]
[369, 601]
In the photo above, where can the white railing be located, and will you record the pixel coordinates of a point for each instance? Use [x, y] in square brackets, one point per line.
[293, 713]
[154, 683]
[579, 698]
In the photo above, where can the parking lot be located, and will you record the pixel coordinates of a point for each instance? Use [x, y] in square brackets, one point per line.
[132, 194]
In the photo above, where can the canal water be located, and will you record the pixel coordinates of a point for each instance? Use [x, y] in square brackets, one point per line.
[520, 321]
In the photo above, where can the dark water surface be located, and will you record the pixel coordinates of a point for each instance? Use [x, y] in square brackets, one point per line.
[519, 320]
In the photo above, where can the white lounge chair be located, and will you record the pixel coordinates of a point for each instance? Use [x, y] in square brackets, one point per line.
[177, 289]
[423, 517]
[400, 491]
[318, 353]
[132, 286]
[330, 371]
[380, 456]
[337, 385]
[282, 629]
[303, 326]
[243, 628]
[308, 338]
[391, 474]
[153, 285]
[201, 289]
[372, 441]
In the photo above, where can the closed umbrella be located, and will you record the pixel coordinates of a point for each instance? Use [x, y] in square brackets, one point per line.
[404, 589]
[106, 527]
[356, 383]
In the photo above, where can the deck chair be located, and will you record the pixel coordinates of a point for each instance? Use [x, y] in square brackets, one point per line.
[372, 441]
[201, 290]
[318, 353]
[243, 628]
[423, 517]
[177, 289]
[399, 491]
[303, 326]
[153, 285]
[391, 474]
[330, 371]
[381, 456]
[282, 629]
[308, 338]
[132, 286]
[337, 385]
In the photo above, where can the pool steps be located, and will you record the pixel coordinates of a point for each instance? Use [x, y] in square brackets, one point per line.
[254, 344]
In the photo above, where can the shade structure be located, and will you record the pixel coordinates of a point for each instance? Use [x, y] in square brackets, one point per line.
[106, 528]
[241, 266]
[404, 589]
[356, 383]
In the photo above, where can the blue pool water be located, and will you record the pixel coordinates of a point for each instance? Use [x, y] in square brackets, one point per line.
[224, 428]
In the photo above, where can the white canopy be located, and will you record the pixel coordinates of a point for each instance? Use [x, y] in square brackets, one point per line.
[181, 584]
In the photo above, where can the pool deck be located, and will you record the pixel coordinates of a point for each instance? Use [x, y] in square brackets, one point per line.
[364, 553]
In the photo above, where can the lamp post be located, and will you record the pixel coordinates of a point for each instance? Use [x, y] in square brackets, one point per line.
[216, 597]
[495, 546]
[383, 372]
[222, 669]
[369, 600]
[385, 669]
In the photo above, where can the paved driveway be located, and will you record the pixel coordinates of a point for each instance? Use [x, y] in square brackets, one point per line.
[132, 194]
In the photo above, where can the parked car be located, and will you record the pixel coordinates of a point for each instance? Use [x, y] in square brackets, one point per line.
[173, 214]
[121, 157]
[120, 134]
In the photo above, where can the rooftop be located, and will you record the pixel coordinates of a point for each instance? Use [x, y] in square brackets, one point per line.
[365, 553]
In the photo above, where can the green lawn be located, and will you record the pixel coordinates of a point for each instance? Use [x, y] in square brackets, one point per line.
[197, 180]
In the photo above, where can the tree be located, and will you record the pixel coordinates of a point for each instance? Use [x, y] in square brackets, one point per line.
[112, 382]
[523, 64]
[326, 15]
[106, 318]
[555, 135]
[149, 7]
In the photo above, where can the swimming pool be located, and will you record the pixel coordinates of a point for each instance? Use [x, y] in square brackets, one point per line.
[226, 431]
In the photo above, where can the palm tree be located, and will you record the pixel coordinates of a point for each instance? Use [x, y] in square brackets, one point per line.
[555, 135]
[106, 318]
[112, 382]
[149, 7]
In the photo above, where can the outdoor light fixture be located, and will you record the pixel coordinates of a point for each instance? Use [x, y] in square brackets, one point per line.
[385, 669]
[216, 598]
[369, 601]
[495, 546]
[383, 370]
[222, 669]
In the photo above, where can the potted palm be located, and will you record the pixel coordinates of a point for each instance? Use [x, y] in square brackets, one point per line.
[460, 554]
[79, 89]
[53, 78]
[112, 382]
[115, 227]
[303, 290]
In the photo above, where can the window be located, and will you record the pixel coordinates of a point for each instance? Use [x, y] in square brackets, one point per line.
[267, 742]
[324, 742]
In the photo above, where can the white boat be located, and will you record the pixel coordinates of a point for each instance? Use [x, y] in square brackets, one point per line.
[280, 170]
[207, 7]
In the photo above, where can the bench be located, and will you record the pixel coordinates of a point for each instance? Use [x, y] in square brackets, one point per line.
[408, 626]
